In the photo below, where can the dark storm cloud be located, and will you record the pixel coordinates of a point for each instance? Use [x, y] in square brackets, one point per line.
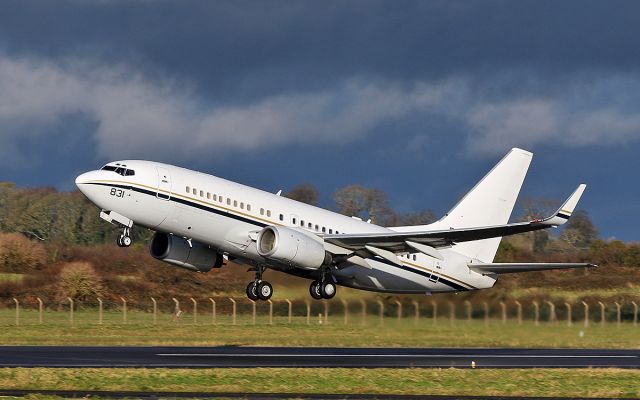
[256, 48]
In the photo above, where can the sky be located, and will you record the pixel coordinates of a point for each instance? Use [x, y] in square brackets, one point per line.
[417, 98]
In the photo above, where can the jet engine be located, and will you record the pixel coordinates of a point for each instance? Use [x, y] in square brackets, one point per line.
[177, 251]
[291, 246]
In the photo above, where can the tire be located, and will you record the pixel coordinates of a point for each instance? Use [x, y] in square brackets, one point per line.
[314, 290]
[126, 241]
[252, 291]
[328, 290]
[265, 290]
[119, 241]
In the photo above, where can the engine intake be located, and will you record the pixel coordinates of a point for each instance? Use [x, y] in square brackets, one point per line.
[293, 247]
[176, 251]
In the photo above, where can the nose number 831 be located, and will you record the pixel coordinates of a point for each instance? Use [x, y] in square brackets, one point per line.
[117, 192]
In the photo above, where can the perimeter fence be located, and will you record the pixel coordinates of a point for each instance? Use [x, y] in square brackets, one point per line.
[234, 311]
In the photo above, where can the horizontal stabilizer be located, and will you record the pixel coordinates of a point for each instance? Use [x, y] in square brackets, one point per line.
[507, 268]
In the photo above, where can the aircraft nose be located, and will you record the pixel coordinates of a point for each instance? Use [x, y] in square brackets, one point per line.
[85, 178]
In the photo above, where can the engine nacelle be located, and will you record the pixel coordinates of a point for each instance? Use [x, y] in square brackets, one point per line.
[176, 251]
[291, 246]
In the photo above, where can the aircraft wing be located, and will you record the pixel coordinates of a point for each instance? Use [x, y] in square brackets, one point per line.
[386, 245]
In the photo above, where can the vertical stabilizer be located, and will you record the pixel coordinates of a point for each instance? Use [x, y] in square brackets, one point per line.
[490, 202]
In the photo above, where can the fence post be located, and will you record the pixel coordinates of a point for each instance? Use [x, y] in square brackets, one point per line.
[195, 310]
[253, 312]
[213, 311]
[364, 311]
[519, 307]
[536, 313]
[468, 307]
[17, 311]
[635, 313]
[124, 309]
[155, 310]
[486, 313]
[233, 311]
[100, 315]
[416, 307]
[434, 305]
[270, 311]
[618, 314]
[586, 314]
[345, 308]
[399, 304]
[290, 310]
[552, 312]
[326, 312]
[177, 312]
[503, 312]
[602, 318]
[40, 308]
[569, 319]
[70, 310]
[308, 311]
[452, 312]
[381, 311]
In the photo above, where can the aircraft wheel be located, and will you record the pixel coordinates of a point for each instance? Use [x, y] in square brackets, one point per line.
[265, 290]
[252, 291]
[126, 241]
[314, 290]
[119, 241]
[328, 290]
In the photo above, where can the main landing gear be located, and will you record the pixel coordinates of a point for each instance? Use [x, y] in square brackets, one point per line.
[324, 289]
[124, 240]
[259, 289]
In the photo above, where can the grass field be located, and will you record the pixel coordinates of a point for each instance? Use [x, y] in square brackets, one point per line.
[407, 332]
[538, 383]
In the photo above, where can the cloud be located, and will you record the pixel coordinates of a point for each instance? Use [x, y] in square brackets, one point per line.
[150, 118]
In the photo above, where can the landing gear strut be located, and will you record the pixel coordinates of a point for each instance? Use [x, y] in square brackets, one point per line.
[124, 240]
[259, 289]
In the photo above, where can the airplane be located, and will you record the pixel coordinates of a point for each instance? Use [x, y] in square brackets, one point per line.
[202, 221]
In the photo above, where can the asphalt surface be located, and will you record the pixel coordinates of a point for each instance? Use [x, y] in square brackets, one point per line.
[314, 357]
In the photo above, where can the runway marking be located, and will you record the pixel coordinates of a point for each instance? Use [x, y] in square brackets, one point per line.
[385, 355]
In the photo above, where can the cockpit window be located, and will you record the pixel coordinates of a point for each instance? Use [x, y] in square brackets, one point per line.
[119, 170]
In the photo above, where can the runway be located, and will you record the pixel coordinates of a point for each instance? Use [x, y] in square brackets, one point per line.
[314, 357]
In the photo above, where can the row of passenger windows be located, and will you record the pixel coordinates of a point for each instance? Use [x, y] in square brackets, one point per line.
[243, 206]
[410, 256]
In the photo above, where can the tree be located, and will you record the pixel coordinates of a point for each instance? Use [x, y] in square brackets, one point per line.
[305, 193]
[365, 203]
[580, 230]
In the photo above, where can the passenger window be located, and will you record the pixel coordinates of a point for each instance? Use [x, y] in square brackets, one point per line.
[414, 257]
[281, 217]
[330, 231]
[268, 213]
[235, 203]
[316, 227]
[201, 193]
[248, 207]
[220, 198]
[324, 230]
[195, 191]
[215, 197]
[208, 196]
[302, 223]
[242, 205]
[228, 201]
[309, 225]
[262, 211]
[293, 221]
[188, 189]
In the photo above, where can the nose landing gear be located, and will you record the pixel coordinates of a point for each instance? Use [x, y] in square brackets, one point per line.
[124, 240]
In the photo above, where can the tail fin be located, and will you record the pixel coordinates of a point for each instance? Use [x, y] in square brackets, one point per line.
[490, 202]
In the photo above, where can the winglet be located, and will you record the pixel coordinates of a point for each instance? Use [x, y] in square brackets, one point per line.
[564, 212]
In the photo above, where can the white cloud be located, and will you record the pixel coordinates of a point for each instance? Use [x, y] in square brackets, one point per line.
[138, 117]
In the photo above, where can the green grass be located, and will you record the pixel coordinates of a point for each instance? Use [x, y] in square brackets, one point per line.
[538, 383]
[10, 277]
[407, 332]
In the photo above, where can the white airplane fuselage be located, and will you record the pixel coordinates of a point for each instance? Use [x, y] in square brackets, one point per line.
[228, 216]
